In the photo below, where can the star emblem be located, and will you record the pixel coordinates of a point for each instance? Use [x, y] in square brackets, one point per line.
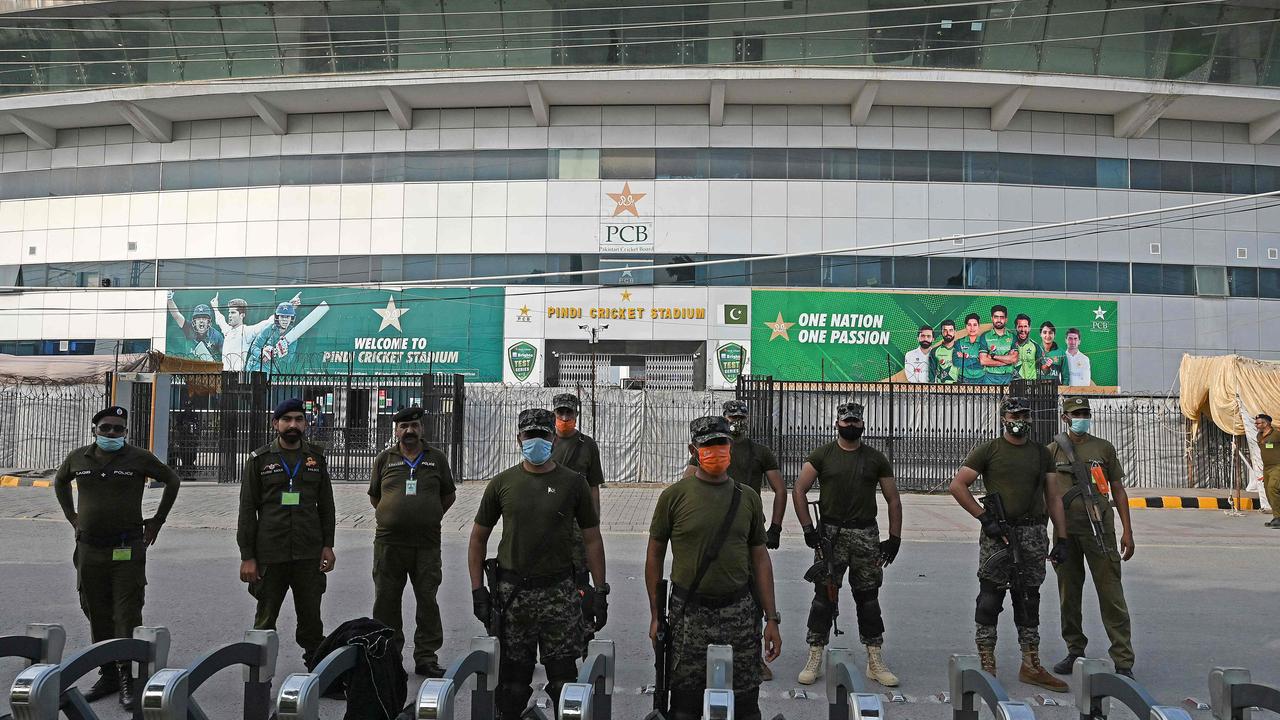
[1099, 314]
[626, 201]
[626, 295]
[390, 315]
[524, 310]
[779, 328]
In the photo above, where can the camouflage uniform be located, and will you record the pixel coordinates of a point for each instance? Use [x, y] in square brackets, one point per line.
[1033, 541]
[546, 619]
[694, 627]
[858, 551]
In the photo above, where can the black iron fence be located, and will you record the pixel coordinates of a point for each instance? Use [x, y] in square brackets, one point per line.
[44, 422]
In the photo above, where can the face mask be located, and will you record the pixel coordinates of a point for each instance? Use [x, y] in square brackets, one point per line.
[739, 428]
[714, 459]
[536, 450]
[1018, 428]
[566, 427]
[1080, 426]
[850, 433]
[110, 444]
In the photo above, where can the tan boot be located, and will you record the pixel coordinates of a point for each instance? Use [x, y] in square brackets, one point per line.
[765, 673]
[877, 670]
[987, 656]
[812, 667]
[1033, 673]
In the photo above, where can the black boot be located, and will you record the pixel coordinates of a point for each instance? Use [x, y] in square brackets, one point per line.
[108, 683]
[1066, 665]
[127, 696]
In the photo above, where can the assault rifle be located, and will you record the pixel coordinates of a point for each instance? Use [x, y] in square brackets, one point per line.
[662, 655]
[994, 504]
[823, 572]
[1096, 505]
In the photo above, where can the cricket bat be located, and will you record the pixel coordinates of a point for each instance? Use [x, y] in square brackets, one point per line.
[303, 325]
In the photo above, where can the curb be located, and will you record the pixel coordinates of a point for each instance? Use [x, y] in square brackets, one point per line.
[1173, 502]
[15, 481]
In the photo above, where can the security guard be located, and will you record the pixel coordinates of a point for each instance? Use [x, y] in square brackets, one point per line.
[1269, 446]
[1081, 546]
[111, 536]
[751, 463]
[533, 607]
[286, 527]
[848, 472]
[1017, 469]
[411, 490]
[573, 449]
[718, 592]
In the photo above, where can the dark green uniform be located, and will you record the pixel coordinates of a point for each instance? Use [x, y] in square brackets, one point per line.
[1269, 446]
[944, 366]
[111, 553]
[536, 599]
[1082, 548]
[1029, 355]
[966, 357]
[748, 462]
[411, 494]
[579, 453]
[285, 523]
[689, 515]
[995, 344]
[1053, 365]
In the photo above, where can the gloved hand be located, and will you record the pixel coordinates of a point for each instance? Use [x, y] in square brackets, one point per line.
[601, 609]
[1058, 554]
[889, 549]
[990, 525]
[811, 537]
[773, 536]
[482, 605]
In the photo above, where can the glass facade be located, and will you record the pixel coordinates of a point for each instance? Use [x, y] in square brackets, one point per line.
[719, 163]
[841, 271]
[119, 43]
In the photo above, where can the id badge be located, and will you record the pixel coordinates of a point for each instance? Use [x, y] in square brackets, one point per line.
[121, 554]
[410, 487]
[290, 498]
[1271, 446]
[1100, 479]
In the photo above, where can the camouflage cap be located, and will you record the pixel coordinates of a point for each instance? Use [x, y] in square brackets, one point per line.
[1015, 404]
[1074, 403]
[849, 411]
[735, 408]
[705, 429]
[566, 401]
[537, 419]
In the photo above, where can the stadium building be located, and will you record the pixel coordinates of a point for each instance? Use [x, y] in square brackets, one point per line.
[291, 186]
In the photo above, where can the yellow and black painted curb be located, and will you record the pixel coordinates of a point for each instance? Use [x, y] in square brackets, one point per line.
[1173, 502]
[7, 481]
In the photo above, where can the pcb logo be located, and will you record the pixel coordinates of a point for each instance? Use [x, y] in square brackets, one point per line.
[521, 357]
[729, 357]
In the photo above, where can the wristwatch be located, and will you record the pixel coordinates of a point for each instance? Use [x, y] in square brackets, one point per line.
[603, 589]
[774, 616]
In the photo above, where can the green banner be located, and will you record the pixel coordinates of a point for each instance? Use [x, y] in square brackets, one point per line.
[338, 330]
[869, 336]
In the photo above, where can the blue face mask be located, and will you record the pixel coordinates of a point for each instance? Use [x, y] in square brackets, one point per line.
[110, 444]
[1080, 426]
[536, 450]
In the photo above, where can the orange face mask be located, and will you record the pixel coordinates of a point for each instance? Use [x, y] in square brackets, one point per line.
[714, 459]
[566, 427]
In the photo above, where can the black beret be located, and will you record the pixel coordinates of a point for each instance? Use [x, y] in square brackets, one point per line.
[286, 407]
[408, 414]
[113, 411]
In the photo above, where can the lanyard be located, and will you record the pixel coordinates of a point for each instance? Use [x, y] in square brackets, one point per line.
[413, 466]
[291, 472]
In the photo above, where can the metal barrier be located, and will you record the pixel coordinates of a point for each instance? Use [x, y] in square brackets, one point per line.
[1096, 680]
[436, 696]
[968, 681]
[42, 690]
[717, 699]
[167, 695]
[845, 690]
[591, 698]
[299, 697]
[1232, 692]
[41, 644]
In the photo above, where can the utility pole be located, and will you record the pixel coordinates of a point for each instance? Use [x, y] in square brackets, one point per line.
[593, 334]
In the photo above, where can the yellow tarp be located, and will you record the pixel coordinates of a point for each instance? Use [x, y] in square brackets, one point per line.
[1216, 386]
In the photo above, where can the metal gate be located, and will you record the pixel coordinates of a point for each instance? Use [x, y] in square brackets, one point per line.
[215, 421]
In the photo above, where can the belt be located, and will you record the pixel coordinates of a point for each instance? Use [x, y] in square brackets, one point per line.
[114, 540]
[711, 602]
[1029, 521]
[535, 581]
[851, 524]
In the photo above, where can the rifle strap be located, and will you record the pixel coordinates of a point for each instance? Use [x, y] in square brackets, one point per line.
[717, 542]
[1064, 444]
[570, 497]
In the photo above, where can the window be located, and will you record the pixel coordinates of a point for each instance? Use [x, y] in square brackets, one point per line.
[875, 165]
[981, 274]
[678, 275]
[683, 163]
[911, 272]
[1179, 280]
[1211, 281]
[419, 267]
[578, 165]
[1144, 174]
[734, 273]
[1048, 275]
[1147, 279]
[840, 164]
[1015, 274]
[453, 266]
[804, 271]
[769, 163]
[1112, 173]
[804, 164]
[1113, 277]
[730, 163]
[1015, 168]
[839, 271]
[769, 273]
[1175, 176]
[1269, 282]
[946, 272]
[1242, 282]
[910, 165]
[627, 164]
[981, 167]
[874, 271]
[1208, 177]
[1082, 277]
[946, 166]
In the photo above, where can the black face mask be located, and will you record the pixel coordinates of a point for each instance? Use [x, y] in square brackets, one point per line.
[850, 433]
[1018, 428]
[739, 427]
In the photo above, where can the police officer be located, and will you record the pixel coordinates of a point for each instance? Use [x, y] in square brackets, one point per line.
[1017, 469]
[111, 536]
[1082, 547]
[285, 531]
[717, 597]
[533, 607]
[411, 490]
[751, 463]
[1269, 446]
[573, 449]
[848, 472]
